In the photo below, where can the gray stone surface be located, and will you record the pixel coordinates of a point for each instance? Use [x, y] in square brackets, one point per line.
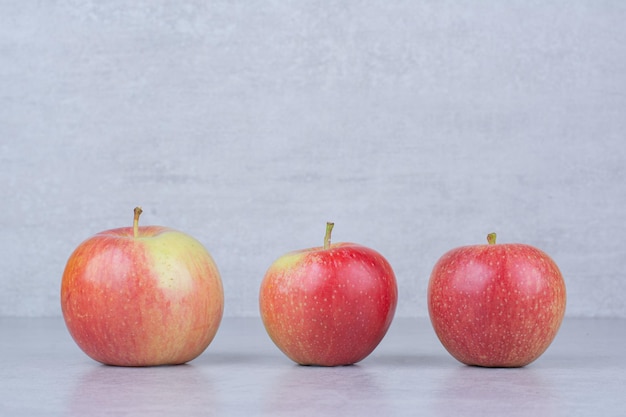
[242, 373]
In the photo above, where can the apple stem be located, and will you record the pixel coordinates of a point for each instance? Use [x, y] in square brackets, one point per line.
[491, 238]
[138, 212]
[329, 229]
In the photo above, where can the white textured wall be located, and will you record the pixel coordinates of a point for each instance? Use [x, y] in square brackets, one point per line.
[415, 126]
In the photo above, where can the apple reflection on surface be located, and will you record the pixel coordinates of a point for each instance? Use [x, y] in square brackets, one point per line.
[318, 391]
[166, 390]
[495, 392]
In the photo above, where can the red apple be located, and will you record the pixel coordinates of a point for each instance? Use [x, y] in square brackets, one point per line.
[496, 305]
[329, 305]
[142, 296]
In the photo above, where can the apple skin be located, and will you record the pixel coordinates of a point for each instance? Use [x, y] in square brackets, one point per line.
[328, 307]
[153, 299]
[496, 305]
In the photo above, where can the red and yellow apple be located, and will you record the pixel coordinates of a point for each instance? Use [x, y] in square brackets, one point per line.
[496, 305]
[329, 305]
[142, 296]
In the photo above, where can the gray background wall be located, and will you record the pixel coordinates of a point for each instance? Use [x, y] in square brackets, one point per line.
[415, 126]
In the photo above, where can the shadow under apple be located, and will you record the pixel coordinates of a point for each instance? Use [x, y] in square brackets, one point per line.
[316, 391]
[495, 392]
[120, 391]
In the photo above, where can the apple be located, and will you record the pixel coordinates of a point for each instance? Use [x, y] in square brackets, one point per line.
[330, 305]
[142, 296]
[496, 305]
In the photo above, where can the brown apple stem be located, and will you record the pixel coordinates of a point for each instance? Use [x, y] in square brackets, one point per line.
[329, 229]
[491, 238]
[138, 212]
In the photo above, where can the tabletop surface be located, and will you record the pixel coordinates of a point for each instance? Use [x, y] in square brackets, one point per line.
[583, 373]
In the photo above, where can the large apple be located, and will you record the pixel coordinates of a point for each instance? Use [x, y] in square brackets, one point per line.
[142, 296]
[329, 305]
[496, 305]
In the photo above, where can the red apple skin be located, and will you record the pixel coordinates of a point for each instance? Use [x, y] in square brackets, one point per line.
[328, 307]
[154, 299]
[496, 305]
